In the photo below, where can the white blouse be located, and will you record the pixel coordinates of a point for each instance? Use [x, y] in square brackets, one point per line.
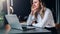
[47, 21]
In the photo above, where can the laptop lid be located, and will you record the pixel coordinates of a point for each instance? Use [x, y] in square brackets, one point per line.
[13, 21]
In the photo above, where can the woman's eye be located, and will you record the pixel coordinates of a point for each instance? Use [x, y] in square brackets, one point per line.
[35, 2]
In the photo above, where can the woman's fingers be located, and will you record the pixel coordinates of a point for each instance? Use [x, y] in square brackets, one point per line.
[33, 10]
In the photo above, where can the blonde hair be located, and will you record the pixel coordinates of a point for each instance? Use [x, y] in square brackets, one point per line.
[41, 12]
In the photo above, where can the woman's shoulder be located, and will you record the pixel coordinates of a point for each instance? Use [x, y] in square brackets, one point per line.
[48, 10]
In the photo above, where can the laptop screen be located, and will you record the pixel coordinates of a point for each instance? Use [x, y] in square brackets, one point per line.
[12, 19]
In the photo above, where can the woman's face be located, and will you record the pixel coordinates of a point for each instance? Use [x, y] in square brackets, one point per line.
[36, 4]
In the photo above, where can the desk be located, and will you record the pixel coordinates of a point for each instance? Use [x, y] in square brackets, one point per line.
[37, 30]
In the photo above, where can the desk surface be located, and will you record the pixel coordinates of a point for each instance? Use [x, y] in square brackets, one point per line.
[15, 31]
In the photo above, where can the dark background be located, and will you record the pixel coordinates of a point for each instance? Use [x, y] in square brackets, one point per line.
[21, 8]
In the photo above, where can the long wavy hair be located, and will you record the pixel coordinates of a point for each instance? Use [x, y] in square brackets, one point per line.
[41, 12]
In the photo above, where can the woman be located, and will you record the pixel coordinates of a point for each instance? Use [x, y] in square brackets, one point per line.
[41, 16]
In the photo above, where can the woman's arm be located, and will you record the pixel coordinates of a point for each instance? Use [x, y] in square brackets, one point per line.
[30, 19]
[44, 20]
[31, 16]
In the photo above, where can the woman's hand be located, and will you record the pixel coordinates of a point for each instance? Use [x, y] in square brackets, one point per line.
[33, 10]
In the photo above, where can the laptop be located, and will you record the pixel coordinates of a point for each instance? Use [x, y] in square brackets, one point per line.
[13, 20]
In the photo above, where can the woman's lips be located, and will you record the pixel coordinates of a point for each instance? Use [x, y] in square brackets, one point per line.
[34, 6]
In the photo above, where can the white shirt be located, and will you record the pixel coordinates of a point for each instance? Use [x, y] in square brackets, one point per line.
[47, 20]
